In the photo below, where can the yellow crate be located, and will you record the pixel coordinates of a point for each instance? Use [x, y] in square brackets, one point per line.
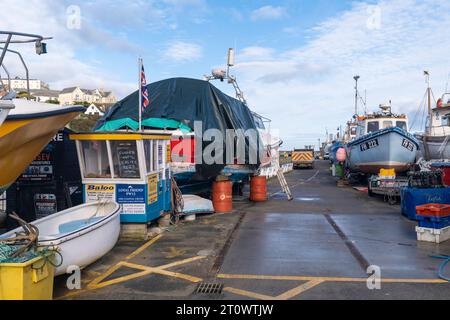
[31, 280]
[387, 173]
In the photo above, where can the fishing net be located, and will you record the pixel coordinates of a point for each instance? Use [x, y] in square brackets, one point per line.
[7, 251]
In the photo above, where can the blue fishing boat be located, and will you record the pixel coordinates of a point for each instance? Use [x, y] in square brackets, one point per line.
[382, 142]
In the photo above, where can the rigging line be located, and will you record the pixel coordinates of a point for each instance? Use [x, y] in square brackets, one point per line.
[421, 105]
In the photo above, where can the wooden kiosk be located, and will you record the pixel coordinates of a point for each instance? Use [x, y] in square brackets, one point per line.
[130, 168]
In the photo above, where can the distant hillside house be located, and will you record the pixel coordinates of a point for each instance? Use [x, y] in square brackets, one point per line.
[74, 95]
[18, 84]
[94, 110]
[44, 95]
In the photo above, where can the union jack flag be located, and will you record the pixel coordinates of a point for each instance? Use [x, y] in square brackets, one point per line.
[144, 91]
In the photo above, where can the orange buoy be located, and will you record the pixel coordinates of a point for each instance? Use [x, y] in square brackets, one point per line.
[258, 189]
[222, 196]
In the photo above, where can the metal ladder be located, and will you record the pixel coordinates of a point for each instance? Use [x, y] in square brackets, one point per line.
[280, 175]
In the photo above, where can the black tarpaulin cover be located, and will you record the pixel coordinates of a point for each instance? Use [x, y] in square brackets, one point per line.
[187, 100]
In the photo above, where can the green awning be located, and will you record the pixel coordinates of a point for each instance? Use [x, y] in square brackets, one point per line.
[159, 123]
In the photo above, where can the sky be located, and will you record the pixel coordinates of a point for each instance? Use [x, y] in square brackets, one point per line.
[295, 59]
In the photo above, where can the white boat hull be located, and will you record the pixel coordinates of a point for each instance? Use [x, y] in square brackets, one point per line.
[391, 148]
[82, 246]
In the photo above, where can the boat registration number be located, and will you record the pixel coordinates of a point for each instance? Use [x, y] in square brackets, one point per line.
[369, 145]
[408, 145]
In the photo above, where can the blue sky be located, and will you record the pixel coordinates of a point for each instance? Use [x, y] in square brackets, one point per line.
[295, 59]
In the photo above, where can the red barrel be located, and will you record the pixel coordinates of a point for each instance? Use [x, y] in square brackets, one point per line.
[222, 196]
[258, 189]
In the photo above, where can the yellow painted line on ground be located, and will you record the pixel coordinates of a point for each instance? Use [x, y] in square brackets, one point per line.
[104, 275]
[323, 279]
[161, 269]
[248, 294]
[299, 290]
[145, 270]
[177, 275]
[120, 279]
[177, 263]
[143, 247]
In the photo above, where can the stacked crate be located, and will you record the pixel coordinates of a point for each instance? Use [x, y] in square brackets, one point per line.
[434, 222]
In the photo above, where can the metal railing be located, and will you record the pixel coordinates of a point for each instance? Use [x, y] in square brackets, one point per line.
[11, 37]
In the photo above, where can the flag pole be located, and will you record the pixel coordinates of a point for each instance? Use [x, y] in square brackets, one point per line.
[140, 93]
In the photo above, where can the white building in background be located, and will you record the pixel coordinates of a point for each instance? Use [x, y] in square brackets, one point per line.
[19, 84]
[45, 95]
[94, 110]
[73, 95]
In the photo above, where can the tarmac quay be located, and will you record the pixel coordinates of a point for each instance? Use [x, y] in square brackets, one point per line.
[318, 246]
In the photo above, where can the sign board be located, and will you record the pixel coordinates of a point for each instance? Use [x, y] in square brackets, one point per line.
[44, 204]
[169, 156]
[41, 169]
[152, 188]
[130, 193]
[133, 208]
[128, 160]
[100, 192]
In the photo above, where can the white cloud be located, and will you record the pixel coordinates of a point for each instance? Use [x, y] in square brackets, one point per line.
[180, 51]
[309, 88]
[256, 53]
[61, 67]
[268, 13]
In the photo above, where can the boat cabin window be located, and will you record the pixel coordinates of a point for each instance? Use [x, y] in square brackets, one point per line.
[353, 131]
[95, 159]
[125, 159]
[445, 120]
[387, 124]
[373, 126]
[401, 125]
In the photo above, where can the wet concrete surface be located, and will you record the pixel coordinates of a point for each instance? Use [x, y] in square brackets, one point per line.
[280, 248]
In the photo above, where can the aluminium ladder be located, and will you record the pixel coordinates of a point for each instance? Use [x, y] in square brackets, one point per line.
[280, 175]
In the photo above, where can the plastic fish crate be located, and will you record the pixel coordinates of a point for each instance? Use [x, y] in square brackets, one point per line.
[413, 197]
[434, 210]
[433, 222]
[433, 235]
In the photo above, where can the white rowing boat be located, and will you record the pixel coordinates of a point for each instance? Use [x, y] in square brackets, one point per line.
[82, 234]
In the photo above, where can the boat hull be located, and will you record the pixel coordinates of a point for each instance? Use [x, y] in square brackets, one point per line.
[391, 148]
[81, 246]
[22, 139]
[438, 147]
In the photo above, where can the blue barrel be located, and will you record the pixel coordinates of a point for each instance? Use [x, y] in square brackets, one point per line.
[412, 197]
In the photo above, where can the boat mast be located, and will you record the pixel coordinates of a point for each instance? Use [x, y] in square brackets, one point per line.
[427, 76]
[356, 93]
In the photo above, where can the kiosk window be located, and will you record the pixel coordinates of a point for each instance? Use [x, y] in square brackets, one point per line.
[125, 159]
[95, 159]
[147, 151]
[150, 155]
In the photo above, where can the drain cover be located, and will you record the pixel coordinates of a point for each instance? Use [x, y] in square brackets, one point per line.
[209, 288]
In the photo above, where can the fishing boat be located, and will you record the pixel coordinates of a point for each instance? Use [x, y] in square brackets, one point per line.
[5, 107]
[27, 125]
[382, 142]
[28, 128]
[176, 106]
[434, 142]
[81, 234]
